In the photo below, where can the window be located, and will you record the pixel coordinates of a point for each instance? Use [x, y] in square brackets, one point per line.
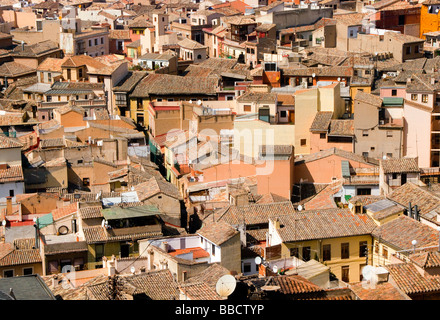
[303, 142]
[365, 154]
[345, 273]
[367, 72]
[424, 98]
[247, 108]
[322, 136]
[28, 271]
[86, 182]
[102, 40]
[414, 97]
[246, 267]
[96, 42]
[394, 176]
[11, 193]
[283, 113]
[389, 134]
[389, 155]
[80, 72]
[8, 273]
[49, 76]
[345, 250]
[394, 92]
[199, 56]
[306, 253]
[90, 43]
[408, 50]
[372, 148]
[401, 20]
[385, 252]
[213, 249]
[363, 191]
[365, 133]
[363, 248]
[416, 49]
[326, 252]
[294, 252]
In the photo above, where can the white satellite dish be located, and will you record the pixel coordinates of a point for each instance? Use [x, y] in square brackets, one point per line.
[300, 207]
[225, 285]
[275, 269]
[258, 260]
[3, 223]
[350, 205]
[132, 269]
[384, 157]
[199, 102]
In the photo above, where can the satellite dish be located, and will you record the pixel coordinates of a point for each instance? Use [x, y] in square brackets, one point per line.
[132, 269]
[275, 269]
[199, 102]
[258, 260]
[300, 207]
[414, 242]
[350, 205]
[384, 157]
[339, 79]
[3, 223]
[225, 285]
[313, 75]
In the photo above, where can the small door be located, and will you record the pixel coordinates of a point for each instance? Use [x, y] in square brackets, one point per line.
[345, 273]
[292, 116]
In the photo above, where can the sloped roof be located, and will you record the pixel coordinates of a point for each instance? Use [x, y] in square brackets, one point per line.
[255, 213]
[14, 69]
[169, 84]
[218, 232]
[323, 224]
[410, 280]
[401, 165]
[321, 122]
[400, 232]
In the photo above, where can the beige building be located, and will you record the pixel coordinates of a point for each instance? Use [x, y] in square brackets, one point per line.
[378, 133]
[187, 256]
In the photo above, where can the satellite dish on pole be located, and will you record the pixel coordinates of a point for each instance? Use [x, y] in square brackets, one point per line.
[225, 285]
[258, 260]
[300, 207]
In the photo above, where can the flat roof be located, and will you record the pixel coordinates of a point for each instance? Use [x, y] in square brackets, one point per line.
[116, 213]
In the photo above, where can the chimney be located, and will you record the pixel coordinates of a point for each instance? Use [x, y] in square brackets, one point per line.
[410, 210]
[408, 80]
[416, 213]
[54, 282]
[8, 206]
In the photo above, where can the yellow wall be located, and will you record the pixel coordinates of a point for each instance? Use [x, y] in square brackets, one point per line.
[134, 111]
[248, 135]
[336, 263]
[428, 21]
[353, 92]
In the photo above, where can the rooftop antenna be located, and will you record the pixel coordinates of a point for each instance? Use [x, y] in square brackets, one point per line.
[225, 285]
[414, 243]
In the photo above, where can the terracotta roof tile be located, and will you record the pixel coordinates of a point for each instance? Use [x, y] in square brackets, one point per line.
[410, 281]
[12, 173]
[64, 211]
[322, 120]
[218, 232]
[323, 224]
[400, 165]
[381, 291]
